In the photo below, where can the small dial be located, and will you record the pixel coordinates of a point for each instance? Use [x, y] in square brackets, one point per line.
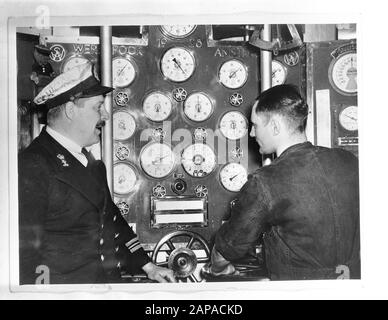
[121, 98]
[159, 191]
[234, 125]
[177, 64]
[201, 191]
[124, 72]
[157, 160]
[233, 176]
[233, 74]
[124, 178]
[200, 134]
[73, 62]
[198, 160]
[198, 107]
[157, 106]
[343, 73]
[124, 207]
[124, 125]
[178, 31]
[279, 73]
[348, 118]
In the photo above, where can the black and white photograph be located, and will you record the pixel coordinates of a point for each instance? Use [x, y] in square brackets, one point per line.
[170, 150]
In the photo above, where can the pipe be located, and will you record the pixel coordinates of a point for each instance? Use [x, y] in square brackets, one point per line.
[266, 75]
[106, 80]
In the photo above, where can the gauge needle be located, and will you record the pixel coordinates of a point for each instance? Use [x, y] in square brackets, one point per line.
[159, 159]
[234, 176]
[233, 73]
[178, 65]
[353, 118]
[120, 72]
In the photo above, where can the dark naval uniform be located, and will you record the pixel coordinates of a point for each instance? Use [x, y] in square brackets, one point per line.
[68, 221]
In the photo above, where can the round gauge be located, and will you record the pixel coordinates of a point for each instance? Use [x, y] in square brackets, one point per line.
[124, 125]
[279, 73]
[234, 125]
[157, 106]
[123, 71]
[233, 74]
[178, 31]
[124, 178]
[177, 64]
[198, 107]
[233, 176]
[73, 62]
[343, 73]
[157, 160]
[198, 160]
[348, 118]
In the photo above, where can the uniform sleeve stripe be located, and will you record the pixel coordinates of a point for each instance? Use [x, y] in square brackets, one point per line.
[132, 241]
[135, 248]
[133, 245]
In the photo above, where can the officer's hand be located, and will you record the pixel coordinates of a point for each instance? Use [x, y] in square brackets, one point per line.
[218, 265]
[159, 274]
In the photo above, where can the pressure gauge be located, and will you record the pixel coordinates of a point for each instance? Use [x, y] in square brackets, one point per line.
[198, 160]
[124, 125]
[177, 64]
[178, 31]
[124, 178]
[279, 73]
[233, 74]
[348, 118]
[157, 160]
[157, 106]
[234, 125]
[124, 72]
[73, 62]
[233, 176]
[343, 73]
[198, 107]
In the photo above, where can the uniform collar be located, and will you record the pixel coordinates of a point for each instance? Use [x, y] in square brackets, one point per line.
[67, 143]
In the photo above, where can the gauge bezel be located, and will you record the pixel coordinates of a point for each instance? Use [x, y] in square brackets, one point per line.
[135, 171]
[215, 159]
[135, 68]
[284, 68]
[223, 168]
[333, 63]
[149, 94]
[131, 116]
[147, 146]
[245, 70]
[171, 35]
[212, 104]
[341, 121]
[191, 54]
[246, 123]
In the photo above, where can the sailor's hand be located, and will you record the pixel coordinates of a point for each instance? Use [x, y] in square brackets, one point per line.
[159, 274]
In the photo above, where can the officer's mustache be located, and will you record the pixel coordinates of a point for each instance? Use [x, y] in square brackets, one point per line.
[100, 124]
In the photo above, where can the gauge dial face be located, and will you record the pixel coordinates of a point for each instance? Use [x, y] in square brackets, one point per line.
[124, 125]
[198, 107]
[233, 74]
[343, 73]
[73, 62]
[124, 178]
[178, 31]
[233, 176]
[177, 64]
[124, 72]
[157, 160]
[198, 160]
[234, 125]
[279, 73]
[348, 118]
[157, 106]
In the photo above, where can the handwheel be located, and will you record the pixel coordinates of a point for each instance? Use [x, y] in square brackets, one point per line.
[180, 256]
